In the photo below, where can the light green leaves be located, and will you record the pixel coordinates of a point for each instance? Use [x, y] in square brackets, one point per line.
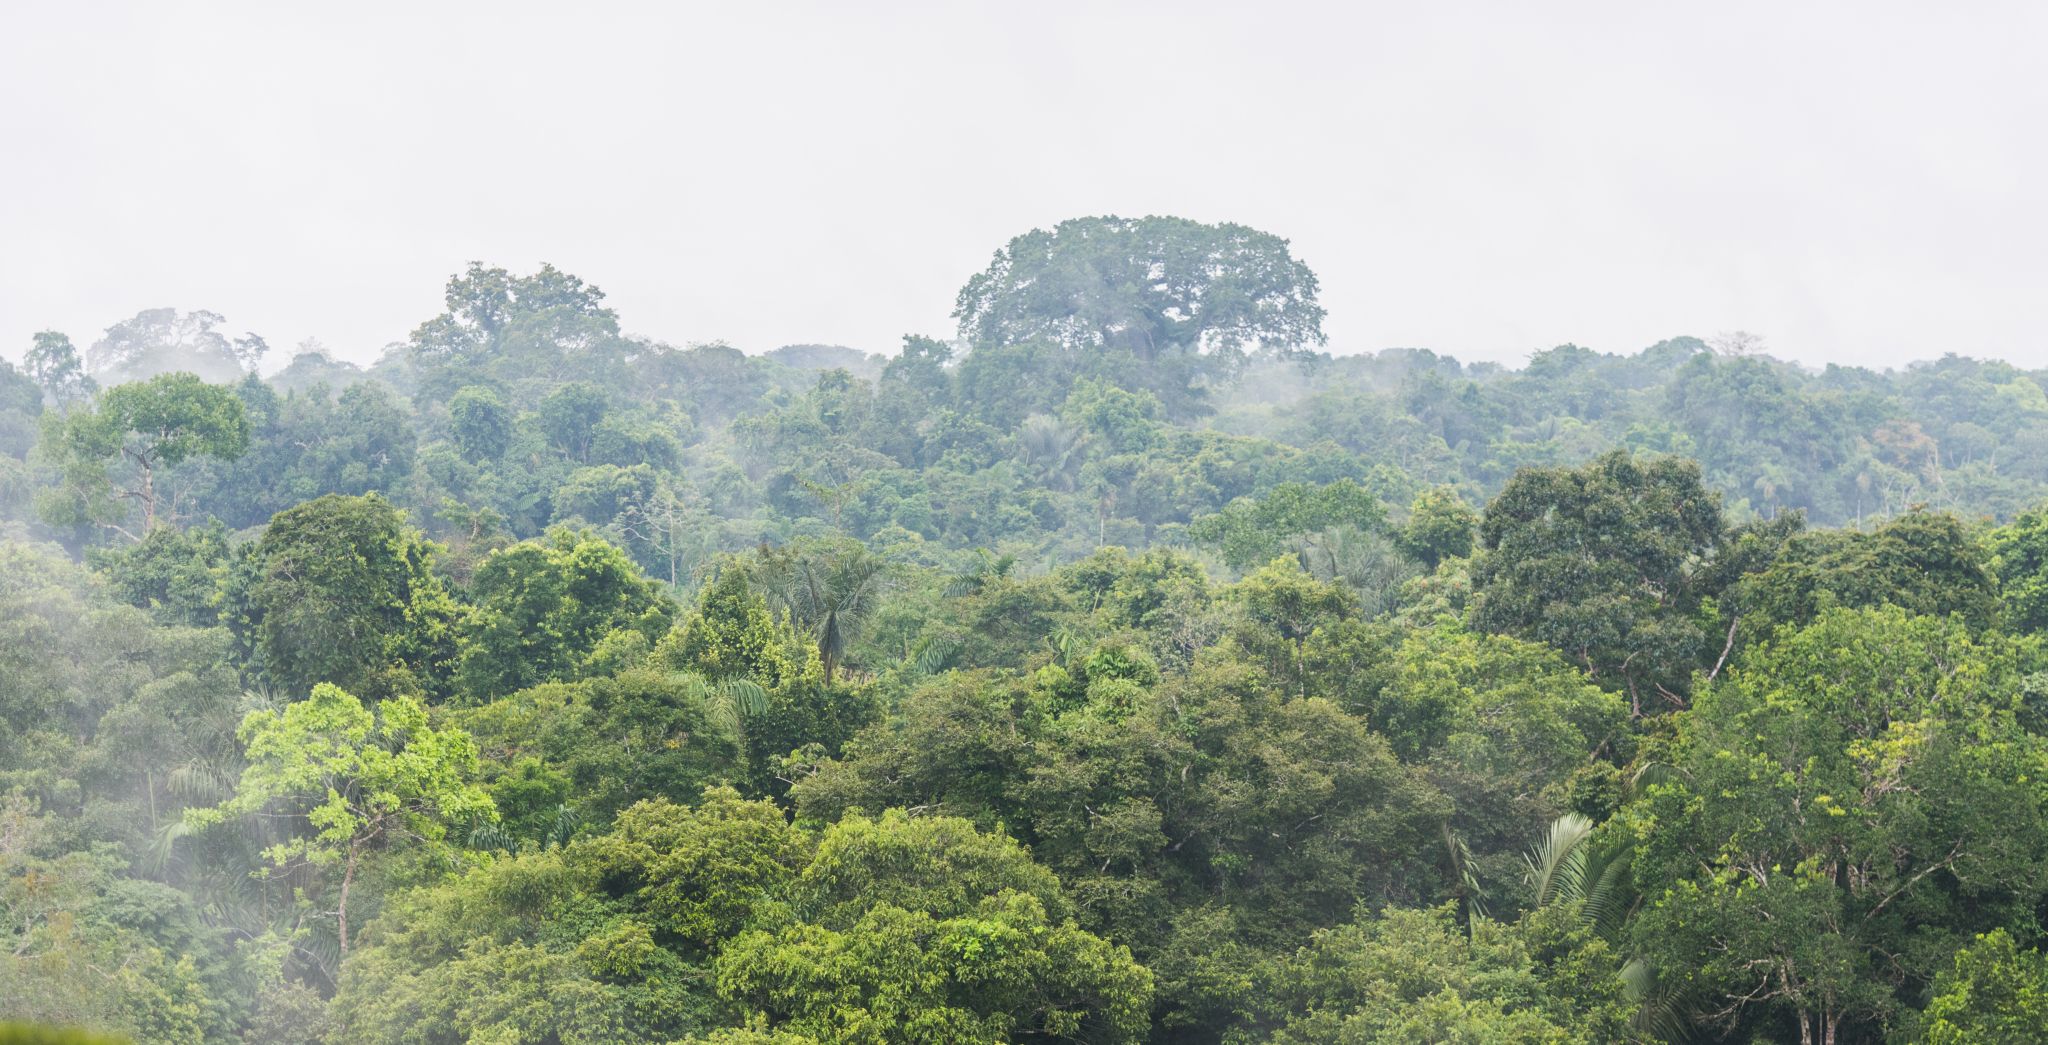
[1249, 532]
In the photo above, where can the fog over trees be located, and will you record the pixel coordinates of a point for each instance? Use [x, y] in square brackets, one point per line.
[1118, 666]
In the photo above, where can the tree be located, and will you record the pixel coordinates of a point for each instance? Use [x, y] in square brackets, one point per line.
[1439, 527]
[549, 324]
[480, 423]
[343, 592]
[160, 340]
[830, 595]
[1414, 976]
[1295, 604]
[363, 780]
[570, 414]
[539, 609]
[922, 366]
[1922, 561]
[1996, 994]
[1847, 794]
[1600, 563]
[53, 365]
[1150, 286]
[2019, 560]
[1250, 532]
[907, 930]
[732, 635]
[150, 425]
[701, 872]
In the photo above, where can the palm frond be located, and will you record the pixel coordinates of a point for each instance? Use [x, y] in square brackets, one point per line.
[928, 655]
[1661, 1008]
[1605, 906]
[985, 569]
[161, 847]
[203, 782]
[729, 700]
[1651, 774]
[1461, 868]
[564, 827]
[488, 837]
[1557, 866]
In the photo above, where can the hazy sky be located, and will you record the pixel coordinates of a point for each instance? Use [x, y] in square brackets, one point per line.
[1860, 183]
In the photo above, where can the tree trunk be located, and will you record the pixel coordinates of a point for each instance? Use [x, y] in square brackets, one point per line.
[341, 912]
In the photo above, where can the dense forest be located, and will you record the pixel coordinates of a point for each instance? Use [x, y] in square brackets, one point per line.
[1125, 667]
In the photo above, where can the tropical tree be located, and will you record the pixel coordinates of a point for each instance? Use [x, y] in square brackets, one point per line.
[540, 608]
[905, 930]
[1251, 532]
[1848, 793]
[149, 425]
[1150, 286]
[1996, 993]
[830, 595]
[340, 590]
[1601, 562]
[53, 365]
[1439, 527]
[361, 780]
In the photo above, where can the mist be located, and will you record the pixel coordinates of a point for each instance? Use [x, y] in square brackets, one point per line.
[1851, 181]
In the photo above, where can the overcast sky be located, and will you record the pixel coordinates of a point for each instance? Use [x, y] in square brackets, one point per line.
[1859, 183]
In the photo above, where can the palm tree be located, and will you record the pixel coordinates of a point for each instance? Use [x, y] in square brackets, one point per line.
[831, 596]
[728, 699]
[1051, 451]
[1570, 867]
[984, 569]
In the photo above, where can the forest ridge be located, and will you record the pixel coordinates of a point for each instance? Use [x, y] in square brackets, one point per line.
[1124, 667]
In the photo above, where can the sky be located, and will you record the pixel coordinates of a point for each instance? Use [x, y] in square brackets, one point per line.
[1856, 183]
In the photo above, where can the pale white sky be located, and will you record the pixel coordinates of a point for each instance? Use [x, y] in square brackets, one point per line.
[1858, 182]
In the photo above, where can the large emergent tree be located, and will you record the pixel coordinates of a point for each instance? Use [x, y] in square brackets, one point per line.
[147, 425]
[1151, 286]
[499, 327]
[163, 340]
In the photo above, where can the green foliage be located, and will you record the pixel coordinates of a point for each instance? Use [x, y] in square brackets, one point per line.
[1995, 993]
[908, 930]
[732, 635]
[1412, 976]
[699, 872]
[344, 592]
[1921, 561]
[54, 366]
[145, 426]
[1645, 748]
[1439, 527]
[539, 610]
[1600, 563]
[2019, 561]
[1250, 532]
[24, 1034]
[480, 423]
[1148, 286]
[172, 573]
[1851, 792]
[362, 778]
